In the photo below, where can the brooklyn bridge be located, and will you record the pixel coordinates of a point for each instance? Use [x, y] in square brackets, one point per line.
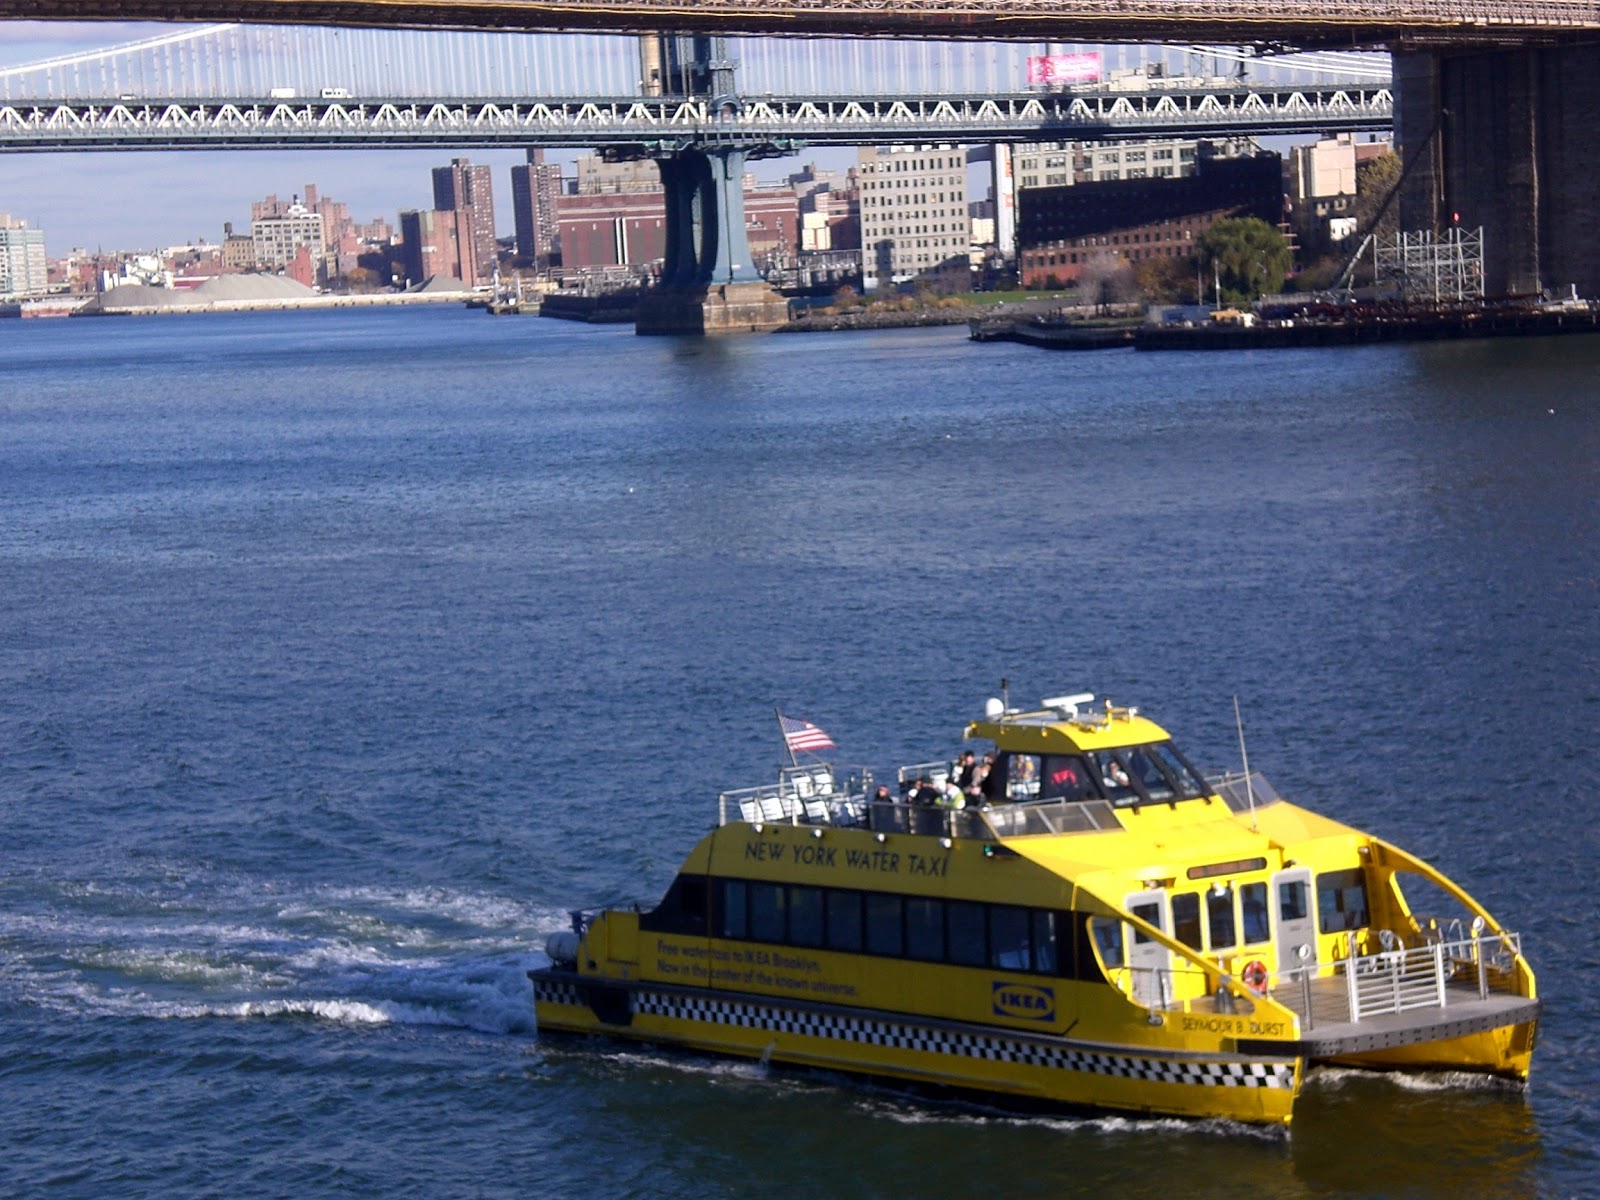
[1303, 23]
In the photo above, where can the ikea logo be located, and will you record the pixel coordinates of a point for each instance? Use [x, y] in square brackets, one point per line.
[1023, 1000]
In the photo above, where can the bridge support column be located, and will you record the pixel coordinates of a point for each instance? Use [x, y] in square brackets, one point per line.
[1517, 151]
[708, 283]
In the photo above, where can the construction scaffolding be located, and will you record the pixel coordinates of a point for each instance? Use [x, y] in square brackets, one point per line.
[1441, 270]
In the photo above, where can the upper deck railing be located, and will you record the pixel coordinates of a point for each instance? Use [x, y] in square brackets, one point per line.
[812, 795]
[664, 122]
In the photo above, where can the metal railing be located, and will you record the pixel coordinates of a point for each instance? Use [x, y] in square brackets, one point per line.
[1403, 978]
[1389, 981]
[1397, 978]
[266, 123]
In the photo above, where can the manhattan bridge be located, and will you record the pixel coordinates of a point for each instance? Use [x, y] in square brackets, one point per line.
[276, 87]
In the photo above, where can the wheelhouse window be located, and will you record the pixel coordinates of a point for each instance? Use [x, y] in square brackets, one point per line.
[1147, 774]
[1065, 777]
[1185, 780]
[1114, 778]
[1022, 776]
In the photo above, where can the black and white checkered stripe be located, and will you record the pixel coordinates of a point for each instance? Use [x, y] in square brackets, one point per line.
[994, 1047]
[546, 991]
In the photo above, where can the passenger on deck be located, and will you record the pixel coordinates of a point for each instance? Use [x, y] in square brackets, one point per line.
[993, 785]
[950, 796]
[965, 768]
[883, 795]
[923, 792]
[976, 790]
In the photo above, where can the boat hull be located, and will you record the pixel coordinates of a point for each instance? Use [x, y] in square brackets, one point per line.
[958, 1056]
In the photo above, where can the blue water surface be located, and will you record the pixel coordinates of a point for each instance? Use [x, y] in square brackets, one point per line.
[342, 652]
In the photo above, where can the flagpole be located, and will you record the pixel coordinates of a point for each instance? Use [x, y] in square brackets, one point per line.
[793, 761]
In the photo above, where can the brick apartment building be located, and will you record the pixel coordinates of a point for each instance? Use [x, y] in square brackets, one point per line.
[1061, 229]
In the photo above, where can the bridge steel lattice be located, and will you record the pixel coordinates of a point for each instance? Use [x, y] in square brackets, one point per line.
[239, 62]
[1339, 23]
[661, 125]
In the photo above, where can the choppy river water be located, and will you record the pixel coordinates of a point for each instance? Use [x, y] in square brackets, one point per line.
[341, 653]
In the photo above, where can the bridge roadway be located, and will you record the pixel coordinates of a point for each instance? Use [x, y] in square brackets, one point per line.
[1303, 23]
[653, 125]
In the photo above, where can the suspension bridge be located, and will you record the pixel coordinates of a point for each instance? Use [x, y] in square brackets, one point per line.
[1339, 23]
[236, 86]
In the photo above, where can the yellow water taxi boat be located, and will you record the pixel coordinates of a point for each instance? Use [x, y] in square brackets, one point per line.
[1092, 923]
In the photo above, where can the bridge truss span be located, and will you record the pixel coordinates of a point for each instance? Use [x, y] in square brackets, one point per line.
[663, 124]
[1337, 23]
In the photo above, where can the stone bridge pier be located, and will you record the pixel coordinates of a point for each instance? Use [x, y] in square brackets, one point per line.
[1516, 150]
[708, 283]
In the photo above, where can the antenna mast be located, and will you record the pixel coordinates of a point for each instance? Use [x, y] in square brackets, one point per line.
[1249, 789]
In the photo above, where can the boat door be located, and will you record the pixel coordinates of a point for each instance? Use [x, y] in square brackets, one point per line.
[1150, 961]
[1293, 923]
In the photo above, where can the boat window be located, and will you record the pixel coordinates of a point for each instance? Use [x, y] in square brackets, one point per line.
[1253, 907]
[682, 909]
[964, 922]
[924, 928]
[1022, 776]
[885, 926]
[967, 933]
[1114, 778]
[734, 923]
[1147, 774]
[805, 916]
[1184, 777]
[1341, 900]
[767, 912]
[1108, 936]
[1150, 914]
[1045, 958]
[1293, 900]
[1186, 919]
[1220, 927]
[1009, 948]
[844, 920]
[1065, 777]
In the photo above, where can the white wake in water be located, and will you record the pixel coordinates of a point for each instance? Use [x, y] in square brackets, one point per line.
[200, 947]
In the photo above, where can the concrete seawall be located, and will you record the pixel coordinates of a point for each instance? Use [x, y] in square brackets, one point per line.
[379, 300]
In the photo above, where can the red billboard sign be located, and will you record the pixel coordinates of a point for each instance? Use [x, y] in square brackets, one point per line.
[1063, 68]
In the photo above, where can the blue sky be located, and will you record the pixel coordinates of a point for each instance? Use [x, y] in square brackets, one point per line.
[143, 200]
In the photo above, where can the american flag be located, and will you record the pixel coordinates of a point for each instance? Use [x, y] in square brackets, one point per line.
[803, 735]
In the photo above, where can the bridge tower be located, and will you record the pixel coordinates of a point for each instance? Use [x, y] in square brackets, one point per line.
[708, 283]
[1507, 140]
